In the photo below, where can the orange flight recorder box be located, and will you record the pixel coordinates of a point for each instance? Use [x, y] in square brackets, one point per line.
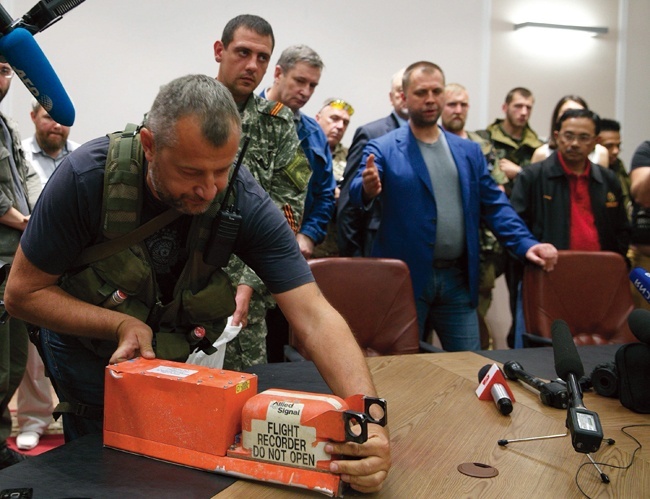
[176, 412]
[192, 415]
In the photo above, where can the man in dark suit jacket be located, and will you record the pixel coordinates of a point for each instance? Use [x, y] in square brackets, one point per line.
[435, 188]
[356, 228]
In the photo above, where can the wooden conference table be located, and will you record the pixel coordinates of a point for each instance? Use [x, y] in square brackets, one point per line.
[436, 423]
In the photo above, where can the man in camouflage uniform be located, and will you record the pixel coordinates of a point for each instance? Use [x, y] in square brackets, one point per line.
[275, 159]
[453, 118]
[513, 139]
[296, 76]
[334, 118]
[514, 142]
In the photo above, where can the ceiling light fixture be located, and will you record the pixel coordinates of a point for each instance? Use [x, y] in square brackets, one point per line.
[594, 30]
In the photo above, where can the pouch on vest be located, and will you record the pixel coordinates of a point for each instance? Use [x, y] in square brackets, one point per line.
[126, 271]
[209, 308]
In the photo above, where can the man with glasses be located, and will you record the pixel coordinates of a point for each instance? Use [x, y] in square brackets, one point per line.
[567, 200]
[570, 202]
[19, 188]
[49, 144]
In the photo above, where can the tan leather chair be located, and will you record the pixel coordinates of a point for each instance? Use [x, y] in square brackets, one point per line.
[375, 297]
[590, 290]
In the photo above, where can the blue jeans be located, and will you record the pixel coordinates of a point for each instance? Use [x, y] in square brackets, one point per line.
[78, 376]
[445, 305]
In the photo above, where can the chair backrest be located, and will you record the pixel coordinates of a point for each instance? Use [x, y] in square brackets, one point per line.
[590, 290]
[375, 297]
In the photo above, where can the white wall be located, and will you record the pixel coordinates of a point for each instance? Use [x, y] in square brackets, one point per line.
[112, 55]
[552, 66]
[634, 109]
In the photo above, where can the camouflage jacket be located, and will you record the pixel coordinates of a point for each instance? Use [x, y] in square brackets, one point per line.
[277, 162]
[487, 240]
[339, 158]
[624, 178]
[490, 157]
[517, 151]
[31, 185]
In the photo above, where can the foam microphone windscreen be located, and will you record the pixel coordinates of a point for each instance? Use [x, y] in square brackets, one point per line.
[483, 371]
[639, 322]
[565, 352]
[30, 64]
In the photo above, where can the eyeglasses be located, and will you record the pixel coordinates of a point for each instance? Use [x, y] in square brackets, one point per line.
[570, 137]
[6, 72]
[341, 104]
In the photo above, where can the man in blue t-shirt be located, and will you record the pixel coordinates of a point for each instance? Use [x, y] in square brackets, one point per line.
[189, 140]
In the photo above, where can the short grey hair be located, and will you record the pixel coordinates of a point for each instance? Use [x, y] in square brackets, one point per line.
[299, 53]
[201, 96]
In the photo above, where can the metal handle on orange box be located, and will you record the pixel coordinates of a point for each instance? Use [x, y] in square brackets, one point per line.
[352, 419]
[363, 403]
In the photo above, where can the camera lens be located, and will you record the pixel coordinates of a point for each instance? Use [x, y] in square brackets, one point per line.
[605, 380]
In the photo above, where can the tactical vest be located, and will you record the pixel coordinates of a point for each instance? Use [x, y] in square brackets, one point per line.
[203, 295]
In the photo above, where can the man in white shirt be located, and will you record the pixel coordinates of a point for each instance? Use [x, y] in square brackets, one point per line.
[49, 144]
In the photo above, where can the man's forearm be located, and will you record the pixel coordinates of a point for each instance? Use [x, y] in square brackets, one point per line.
[640, 185]
[14, 219]
[55, 309]
[33, 296]
[328, 339]
[340, 360]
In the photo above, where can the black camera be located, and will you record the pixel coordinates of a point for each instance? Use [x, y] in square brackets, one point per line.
[604, 379]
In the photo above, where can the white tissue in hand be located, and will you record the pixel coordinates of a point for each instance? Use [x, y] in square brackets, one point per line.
[216, 359]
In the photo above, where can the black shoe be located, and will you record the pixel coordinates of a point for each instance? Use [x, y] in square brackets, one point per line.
[9, 456]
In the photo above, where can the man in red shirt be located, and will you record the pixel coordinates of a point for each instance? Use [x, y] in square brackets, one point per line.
[567, 200]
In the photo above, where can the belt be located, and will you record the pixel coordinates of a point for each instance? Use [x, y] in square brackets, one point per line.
[440, 263]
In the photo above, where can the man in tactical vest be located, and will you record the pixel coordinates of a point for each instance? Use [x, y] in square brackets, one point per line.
[96, 305]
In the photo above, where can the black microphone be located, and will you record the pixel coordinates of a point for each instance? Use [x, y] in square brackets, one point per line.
[20, 50]
[583, 425]
[45, 13]
[552, 394]
[498, 390]
[639, 322]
